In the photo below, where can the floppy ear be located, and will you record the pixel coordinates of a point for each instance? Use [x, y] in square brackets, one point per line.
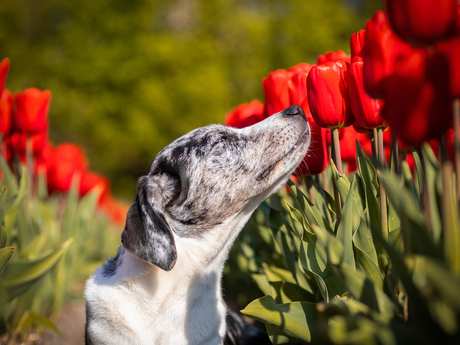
[147, 234]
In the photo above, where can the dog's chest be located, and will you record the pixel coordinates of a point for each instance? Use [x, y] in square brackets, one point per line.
[141, 312]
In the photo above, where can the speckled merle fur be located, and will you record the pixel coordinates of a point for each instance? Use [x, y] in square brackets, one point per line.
[189, 180]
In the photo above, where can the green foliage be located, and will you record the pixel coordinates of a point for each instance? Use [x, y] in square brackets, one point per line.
[349, 283]
[128, 77]
[48, 246]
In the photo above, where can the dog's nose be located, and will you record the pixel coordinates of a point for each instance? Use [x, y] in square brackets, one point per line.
[293, 110]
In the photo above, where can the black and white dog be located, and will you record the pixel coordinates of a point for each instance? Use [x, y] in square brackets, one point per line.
[164, 284]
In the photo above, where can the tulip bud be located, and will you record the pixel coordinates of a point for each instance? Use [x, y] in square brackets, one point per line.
[422, 21]
[380, 52]
[17, 143]
[276, 91]
[333, 57]
[245, 115]
[357, 44]
[31, 110]
[417, 105]
[66, 161]
[6, 103]
[450, 49]
[366, 110]
[90, 181]
[4, 67]
[328, 95]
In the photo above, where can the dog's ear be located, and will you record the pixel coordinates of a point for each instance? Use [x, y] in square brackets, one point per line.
[147, 235]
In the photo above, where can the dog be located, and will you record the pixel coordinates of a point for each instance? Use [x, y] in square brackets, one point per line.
[164, 284]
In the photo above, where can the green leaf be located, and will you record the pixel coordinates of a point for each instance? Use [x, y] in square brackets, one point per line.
[366, 265]
[334, 248]
[8, 177]
[5, 255]
[312, 214]
[3, 236]
[285, 292]
[346, 229]
[341, 181]
[373, 209]
[432, 169]
[262, 282]
[363, 289]
[363, 240]
[416, 236]
[296, 320]
[18, 276]
[3, 196]
[441, 278]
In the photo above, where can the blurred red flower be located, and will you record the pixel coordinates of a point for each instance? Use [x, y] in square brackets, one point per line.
[357, 44]
[422, 21]
[17, 143]
[31, 110]
[417, 104]
[450, 49]
[6, 103]
[91, 180]
[66, 161]
[328, 95]
[276, 91]
[4, 67]
[366, 110]
[246, 114]
[380, 52]
[333, 57]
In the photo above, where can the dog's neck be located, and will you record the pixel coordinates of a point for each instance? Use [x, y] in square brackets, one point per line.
[191, 291]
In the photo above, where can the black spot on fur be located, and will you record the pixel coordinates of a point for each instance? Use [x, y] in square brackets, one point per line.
[241, 332]
[110, 267]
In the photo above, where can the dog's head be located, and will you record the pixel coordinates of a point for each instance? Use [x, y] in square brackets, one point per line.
[207, 176]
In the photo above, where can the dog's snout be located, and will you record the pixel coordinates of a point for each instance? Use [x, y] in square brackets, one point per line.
[293, 110]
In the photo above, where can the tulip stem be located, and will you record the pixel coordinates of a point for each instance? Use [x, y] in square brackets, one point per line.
[383, 197]
[394, 152]
[456, 125]
[337, 158]
[449, 212]
[375, 147]
[336, 147]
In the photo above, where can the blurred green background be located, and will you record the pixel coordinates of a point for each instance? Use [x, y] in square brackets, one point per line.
[128, 77]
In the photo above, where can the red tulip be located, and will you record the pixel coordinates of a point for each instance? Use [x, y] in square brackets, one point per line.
[357, 44]
[6, 102]
[333, 57]
[417, 104]
[316, 159]
[367, 111]
[450, 49]
[4, 67]
[67, 160]
[31, 110]
[380, 52]
[91, 181]
[328, 95]
[17, 143]
[245, 114]
[422, 21]
[276, 91]
[302, 67]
